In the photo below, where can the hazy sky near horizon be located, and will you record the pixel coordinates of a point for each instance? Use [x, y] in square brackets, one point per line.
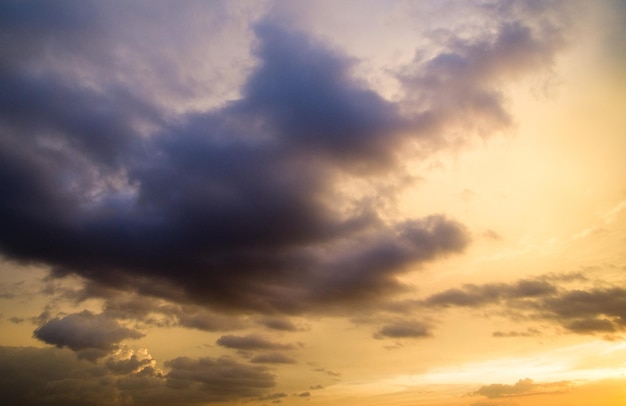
[279, 202]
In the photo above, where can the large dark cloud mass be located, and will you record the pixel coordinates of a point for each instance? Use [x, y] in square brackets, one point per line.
[240, 207]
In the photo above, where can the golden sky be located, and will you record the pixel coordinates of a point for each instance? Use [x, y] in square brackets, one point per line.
[277, 202]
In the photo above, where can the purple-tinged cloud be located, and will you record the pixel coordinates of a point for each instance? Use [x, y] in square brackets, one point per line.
[239, 207]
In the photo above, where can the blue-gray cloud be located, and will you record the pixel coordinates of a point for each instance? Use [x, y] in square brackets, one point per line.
[237, 207]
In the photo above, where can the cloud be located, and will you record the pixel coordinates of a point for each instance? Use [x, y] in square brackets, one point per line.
[403, 329]
[30, 376]
[153, 311]
[239, 206]
[491, 235]
[217, 379]
[35, 376]
[274, 396]
[251, 342]
[460, 86]
[530, 332]
[126, 361]
[478, 295]
[273, 358]
[507, 402]
[279, 324]
[193, 205]
[522, 387]
[586, 310]
[327, 372]
[91, 335]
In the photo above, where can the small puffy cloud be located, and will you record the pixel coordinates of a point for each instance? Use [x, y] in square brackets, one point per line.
[522, 387]
[91, 335]
[304, 394]
[251, 342]
[16, 320]
[281, 324]
[129, 362]
[491, 235]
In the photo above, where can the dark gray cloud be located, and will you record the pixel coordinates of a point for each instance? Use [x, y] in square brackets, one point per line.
[32, 376]
[251, 342]
[218, 379]
[91, 335]
[582, 309]
[587, 310]
[52, 376]
[159, 312]
[280, 324]
[403, 329]
[238, 207]
[478, 295]
[522, 387]
[195, 204]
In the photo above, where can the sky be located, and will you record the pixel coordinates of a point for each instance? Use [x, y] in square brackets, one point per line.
[313, 203]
